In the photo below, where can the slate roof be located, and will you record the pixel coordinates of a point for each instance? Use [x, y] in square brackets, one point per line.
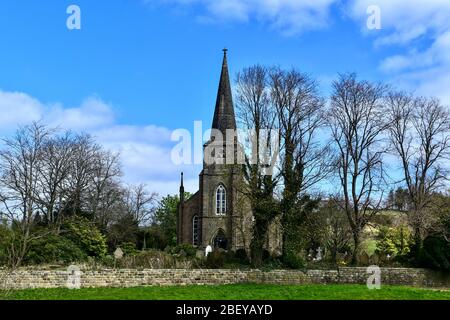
[224, 117]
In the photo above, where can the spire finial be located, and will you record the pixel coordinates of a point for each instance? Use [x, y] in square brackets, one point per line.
[225, 50]
[181, 179]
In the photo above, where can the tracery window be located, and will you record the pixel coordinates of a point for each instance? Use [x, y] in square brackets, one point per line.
[221, 200]
[195, 231]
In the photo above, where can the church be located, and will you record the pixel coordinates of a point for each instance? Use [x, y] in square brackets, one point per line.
[218, 214]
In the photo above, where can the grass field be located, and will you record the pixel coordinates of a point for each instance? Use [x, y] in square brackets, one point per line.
[233, 292]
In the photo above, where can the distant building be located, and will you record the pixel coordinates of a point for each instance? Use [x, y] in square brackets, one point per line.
[218, 214]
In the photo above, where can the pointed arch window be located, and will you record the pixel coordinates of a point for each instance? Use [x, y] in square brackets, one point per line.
[195, 231]
[221, 200]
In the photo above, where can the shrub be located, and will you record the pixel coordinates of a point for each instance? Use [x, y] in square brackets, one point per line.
[435, 253]
[125, 230]
[5, 240]
[151, 237]
[274, 264]
[106, 261]
[363, 259]
[86, 236]
[154, 259]
[54, 249]
[184, 249]
[293, 260]
[394, 241]
[128, 248]
[215, 260]
[241, 255]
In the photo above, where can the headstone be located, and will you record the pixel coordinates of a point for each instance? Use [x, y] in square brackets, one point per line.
[208, 250]
[74, 277]
[199, 254]
[118, 254]
[319, 254]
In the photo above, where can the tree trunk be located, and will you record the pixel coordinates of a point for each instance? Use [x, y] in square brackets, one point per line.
[418, 242]
[144, 246]
[256, 249]
[356, 243]
[257, 245]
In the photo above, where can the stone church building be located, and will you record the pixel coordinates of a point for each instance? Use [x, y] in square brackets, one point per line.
[218, 214]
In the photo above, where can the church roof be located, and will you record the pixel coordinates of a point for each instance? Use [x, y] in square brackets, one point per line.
[224, 112]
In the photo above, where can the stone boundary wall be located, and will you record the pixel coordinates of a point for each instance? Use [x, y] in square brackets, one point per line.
[25, 279]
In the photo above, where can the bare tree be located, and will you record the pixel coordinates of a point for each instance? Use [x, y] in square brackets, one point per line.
[57, 159]
[356, 121]
[141, 206]
[299, 111]
[107, 203]
[104, 193]
[257, 116]
[420, 137]
[82, 172]
[140, 203]
[305, 159]
[20, 165]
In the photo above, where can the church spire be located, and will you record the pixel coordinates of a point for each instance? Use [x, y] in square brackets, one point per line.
[224, 112]
[181, 189]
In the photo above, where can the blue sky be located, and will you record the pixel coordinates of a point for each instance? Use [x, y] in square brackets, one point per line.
[139, 69]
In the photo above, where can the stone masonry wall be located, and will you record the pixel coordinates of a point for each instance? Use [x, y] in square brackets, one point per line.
[24, 279]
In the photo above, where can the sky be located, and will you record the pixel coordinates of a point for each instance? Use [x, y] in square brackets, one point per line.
[139, 69]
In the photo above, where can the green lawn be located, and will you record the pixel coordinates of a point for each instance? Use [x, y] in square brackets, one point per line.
[233, 292]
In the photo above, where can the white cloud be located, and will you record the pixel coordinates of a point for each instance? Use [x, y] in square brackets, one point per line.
[397, 63]
[406, 20]
[172, 187]
[437, 54]
[420, 30]
[145, 150]
[288, 16]
[145, 153]
[147, 156]
[92, 113]
[17, 108]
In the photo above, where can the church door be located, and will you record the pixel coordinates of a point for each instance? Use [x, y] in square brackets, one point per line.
[220, 241]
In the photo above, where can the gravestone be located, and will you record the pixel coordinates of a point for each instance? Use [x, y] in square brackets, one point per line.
[319, 254]
[118, 254]
[199, 254]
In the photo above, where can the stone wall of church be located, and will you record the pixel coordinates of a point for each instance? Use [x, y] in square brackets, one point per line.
[212, 223]
[190, 209]
[24, 279]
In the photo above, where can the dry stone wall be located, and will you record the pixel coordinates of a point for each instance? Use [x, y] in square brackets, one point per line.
[24, 279]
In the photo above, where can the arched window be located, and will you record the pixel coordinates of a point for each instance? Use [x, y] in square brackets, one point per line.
[195, 231]
[221, 200]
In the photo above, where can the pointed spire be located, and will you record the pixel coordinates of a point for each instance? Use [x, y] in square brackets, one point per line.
[181, 189]
[224, 112]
